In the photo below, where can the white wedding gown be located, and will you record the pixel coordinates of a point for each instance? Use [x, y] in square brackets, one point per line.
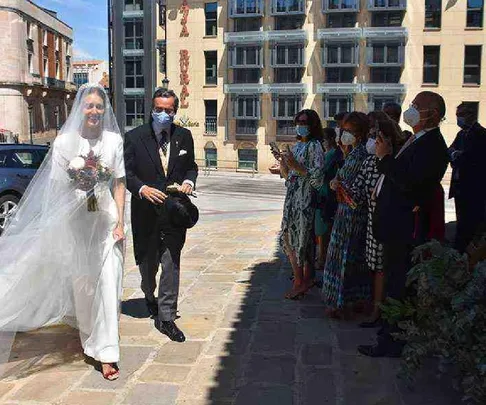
[102, 343]
[59, 262]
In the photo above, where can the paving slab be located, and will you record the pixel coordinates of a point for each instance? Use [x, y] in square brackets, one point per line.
[246, 344]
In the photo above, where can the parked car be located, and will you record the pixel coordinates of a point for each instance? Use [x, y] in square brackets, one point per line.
[18, 164]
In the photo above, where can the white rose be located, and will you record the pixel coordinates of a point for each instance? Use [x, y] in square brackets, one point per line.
[77, 163]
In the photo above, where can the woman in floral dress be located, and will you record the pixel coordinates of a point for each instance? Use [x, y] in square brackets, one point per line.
[346, 279]
[302, 169]
[361, 191]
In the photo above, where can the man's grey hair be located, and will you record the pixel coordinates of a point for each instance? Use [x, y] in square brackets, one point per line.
[163, 93]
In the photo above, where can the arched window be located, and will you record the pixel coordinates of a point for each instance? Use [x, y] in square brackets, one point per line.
[211, 155]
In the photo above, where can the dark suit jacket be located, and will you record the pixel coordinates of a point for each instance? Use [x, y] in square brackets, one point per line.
[143, 167]
[411, 180]
[470, 166]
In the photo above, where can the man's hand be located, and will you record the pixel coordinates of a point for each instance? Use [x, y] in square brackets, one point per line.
[383, 147]
[334, 184]
[186, 188]
[153, 195]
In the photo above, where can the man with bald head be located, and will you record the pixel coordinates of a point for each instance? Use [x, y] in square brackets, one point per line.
[468, 161]
[408, 180]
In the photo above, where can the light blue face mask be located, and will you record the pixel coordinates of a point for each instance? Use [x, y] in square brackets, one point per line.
[302, 131]
[161, 120]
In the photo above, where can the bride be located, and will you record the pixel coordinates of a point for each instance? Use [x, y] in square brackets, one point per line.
[62, 251]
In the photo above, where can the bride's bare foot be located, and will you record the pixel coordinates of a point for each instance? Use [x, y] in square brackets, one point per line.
[110, 371]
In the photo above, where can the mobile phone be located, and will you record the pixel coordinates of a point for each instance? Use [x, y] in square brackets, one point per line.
[274, 148]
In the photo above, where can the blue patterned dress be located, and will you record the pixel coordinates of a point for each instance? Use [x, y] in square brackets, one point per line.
[299, 210]
[346, 278]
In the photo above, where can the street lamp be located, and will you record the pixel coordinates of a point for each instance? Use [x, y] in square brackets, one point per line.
[56, 114]
[31, 123]
[165, 83]
[163, 11]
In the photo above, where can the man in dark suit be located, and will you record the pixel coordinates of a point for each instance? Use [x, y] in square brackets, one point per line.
[409, 180]
[159, 154]
[468, 161]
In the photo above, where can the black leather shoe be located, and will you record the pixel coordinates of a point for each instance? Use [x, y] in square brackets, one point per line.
[377, 323]
[170, 329]
[153, 308]
[382, 350]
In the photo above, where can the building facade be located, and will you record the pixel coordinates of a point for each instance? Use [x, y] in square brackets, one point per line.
[92, 72]
[243, 68]
[35, 71]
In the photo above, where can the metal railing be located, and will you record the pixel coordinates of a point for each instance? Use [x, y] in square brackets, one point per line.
[211, 126]
[214, 165]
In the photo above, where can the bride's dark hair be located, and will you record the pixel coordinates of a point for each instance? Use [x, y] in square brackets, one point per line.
[98, 92]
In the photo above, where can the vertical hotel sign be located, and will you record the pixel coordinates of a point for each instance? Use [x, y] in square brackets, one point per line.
[184, 56]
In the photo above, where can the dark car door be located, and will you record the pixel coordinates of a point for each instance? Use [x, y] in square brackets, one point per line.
[22, 165]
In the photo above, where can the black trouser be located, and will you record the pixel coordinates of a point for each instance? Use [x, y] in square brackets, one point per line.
[470, 212]
[397, 263]
[164, 249]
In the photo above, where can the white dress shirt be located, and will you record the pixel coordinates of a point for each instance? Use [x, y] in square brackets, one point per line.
[165, 164]
[379, 183]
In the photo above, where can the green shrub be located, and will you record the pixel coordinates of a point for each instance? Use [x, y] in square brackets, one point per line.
[444, 316]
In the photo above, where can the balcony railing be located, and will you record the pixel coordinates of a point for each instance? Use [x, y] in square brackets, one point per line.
[385, 32]
[251, 88]
[387, 5]
[340, 6]
[383, 88]
[286, 35]
[133, 14]
[286, 130]
[133, 52]
[337, 34]
[245, 8]
[246, 127]
[211, 126]
[245, 37]
[58, 84]
[286, 7]
[338, 88]
[287, 88]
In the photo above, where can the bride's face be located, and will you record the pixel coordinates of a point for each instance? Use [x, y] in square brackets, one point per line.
[93, 110]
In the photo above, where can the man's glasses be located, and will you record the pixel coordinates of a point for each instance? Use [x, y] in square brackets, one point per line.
[90, 106]
[159, 110]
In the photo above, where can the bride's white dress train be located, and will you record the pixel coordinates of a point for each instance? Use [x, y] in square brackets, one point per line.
[59, 261]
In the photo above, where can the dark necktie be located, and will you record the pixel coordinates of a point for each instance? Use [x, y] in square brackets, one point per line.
[163, 142]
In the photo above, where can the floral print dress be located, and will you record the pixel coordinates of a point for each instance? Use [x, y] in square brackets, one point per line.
[299, 207]
[346, 278]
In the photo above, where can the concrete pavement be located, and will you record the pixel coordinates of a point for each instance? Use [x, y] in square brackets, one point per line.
[246, 344]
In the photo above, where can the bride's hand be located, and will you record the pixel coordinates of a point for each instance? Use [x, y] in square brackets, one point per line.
[119, 233]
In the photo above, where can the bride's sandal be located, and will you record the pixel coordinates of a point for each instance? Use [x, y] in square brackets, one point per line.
[110, 373]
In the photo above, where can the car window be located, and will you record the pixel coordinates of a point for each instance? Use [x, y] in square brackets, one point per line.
[25, 159]
[3, 158]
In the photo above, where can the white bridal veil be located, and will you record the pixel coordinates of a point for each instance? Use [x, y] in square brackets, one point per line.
[57, 244]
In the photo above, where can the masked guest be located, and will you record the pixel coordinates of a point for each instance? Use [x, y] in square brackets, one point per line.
[302, 169]
[467, 154]
[408, 179]
[346, 280]
[339, 118]
[361, 191]
[326, 198]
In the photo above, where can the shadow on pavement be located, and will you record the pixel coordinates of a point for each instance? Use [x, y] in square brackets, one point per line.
[284, 352]
[135, 307]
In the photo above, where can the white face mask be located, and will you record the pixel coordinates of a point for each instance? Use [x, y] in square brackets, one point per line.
[347, 138]
[411, 116]
[338, 138]
[371, 146]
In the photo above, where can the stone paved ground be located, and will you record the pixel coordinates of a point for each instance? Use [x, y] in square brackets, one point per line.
[246, 345]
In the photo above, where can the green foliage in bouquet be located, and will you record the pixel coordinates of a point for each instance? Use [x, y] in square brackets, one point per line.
[445, 316]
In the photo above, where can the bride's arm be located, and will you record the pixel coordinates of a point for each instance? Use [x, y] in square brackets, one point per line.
[119, 194]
